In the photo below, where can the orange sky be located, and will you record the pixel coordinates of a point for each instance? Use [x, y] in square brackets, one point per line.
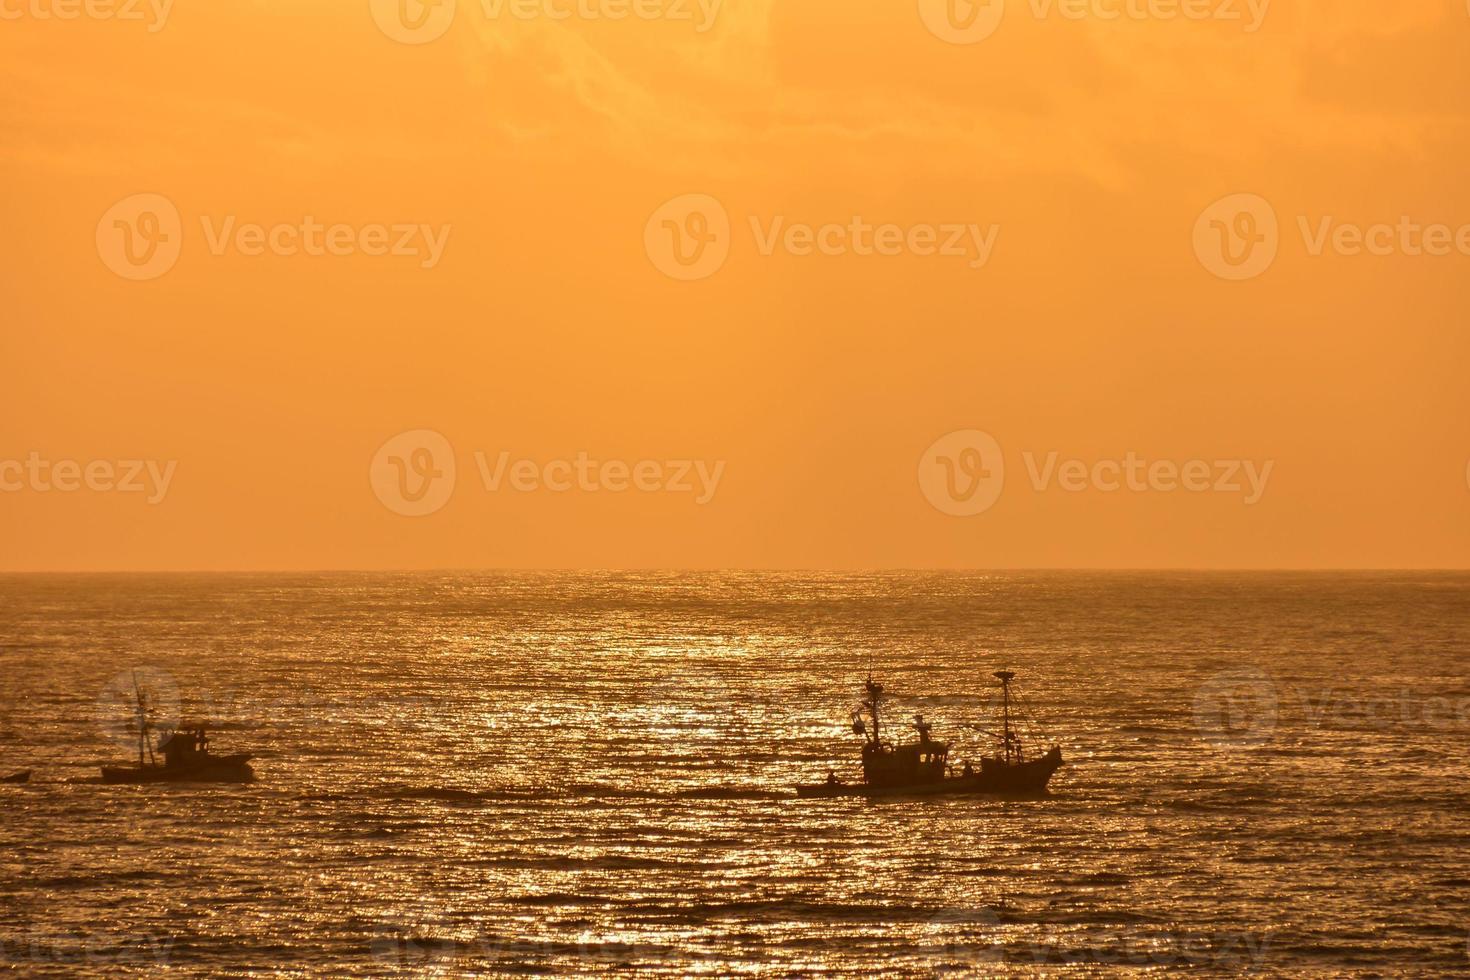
[543, 153]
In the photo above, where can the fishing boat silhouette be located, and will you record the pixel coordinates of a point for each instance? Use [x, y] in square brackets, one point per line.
[922, 767]
[186, 754]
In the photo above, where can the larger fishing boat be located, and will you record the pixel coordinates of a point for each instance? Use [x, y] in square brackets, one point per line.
[922, 767]
[186, 755]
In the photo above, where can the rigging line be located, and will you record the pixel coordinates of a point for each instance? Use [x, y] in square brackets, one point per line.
[1031, 719]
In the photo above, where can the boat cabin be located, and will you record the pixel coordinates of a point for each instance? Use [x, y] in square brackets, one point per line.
[184, 747]
[904, 765]
[886, 764]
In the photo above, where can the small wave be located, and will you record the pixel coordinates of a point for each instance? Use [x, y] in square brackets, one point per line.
[553, 899]
[790, 909]
[730, 793]
[442, 794]
[994, 872]
[609, 862]
[449, 794]
[101, 878]
[1081, 916]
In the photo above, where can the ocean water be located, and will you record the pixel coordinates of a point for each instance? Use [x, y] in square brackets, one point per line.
[584, 773]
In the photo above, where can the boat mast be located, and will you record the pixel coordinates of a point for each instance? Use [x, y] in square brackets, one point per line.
[1006, 677]
[875, 695]
[142, 723]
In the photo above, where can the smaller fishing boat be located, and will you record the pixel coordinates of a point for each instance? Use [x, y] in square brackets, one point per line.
[922, 768]
[24, 776]
[186, 756]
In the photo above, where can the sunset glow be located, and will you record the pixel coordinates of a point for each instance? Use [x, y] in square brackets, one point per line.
[466, 225]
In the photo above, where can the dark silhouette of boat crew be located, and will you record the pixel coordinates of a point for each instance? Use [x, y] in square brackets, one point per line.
[922, 768]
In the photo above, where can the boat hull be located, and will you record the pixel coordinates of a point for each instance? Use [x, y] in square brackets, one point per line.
[224, 769]
[23, 776]
[994, 779]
